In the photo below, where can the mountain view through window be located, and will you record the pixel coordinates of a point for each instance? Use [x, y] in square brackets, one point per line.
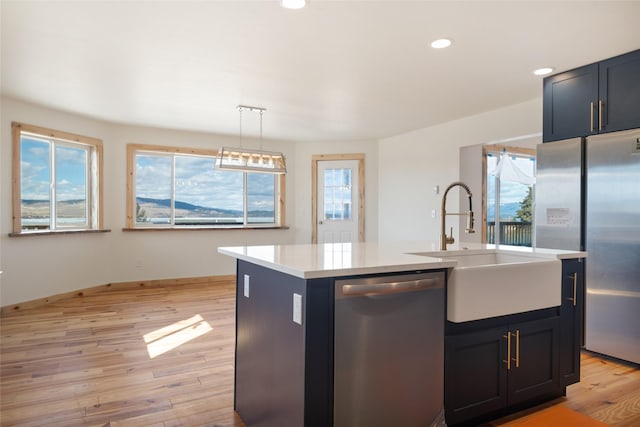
[173, 189]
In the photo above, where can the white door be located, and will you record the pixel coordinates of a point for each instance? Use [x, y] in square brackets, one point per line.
[338, 201]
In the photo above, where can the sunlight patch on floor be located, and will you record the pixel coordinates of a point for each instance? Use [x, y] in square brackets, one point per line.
[165, 339]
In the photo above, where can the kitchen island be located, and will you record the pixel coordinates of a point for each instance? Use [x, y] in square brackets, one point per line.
[286, 324]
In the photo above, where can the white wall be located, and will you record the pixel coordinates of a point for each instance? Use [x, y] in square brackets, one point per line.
[39, 266]
[471, 174]
[401, 172]
[411, 164]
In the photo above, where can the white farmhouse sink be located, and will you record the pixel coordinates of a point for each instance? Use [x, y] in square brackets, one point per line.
[484, 285]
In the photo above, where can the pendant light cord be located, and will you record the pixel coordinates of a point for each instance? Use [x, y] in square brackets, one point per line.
[261, 112]
[240, 109]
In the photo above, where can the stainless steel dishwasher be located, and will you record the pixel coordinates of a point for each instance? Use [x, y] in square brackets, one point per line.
[389, 351]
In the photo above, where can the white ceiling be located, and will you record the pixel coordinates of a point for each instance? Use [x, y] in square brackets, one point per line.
[336, 70]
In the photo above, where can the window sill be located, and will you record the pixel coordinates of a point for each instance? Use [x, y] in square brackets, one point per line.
[52, 233]
[201, 228]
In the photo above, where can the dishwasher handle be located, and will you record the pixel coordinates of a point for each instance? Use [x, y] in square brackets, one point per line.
[391, 287]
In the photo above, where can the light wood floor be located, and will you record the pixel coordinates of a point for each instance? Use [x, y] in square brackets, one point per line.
[87, 361]
[608, 391]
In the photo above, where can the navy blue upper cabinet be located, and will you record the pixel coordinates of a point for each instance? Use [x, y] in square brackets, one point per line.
[619, 84]
[568, 103]
[597, 98]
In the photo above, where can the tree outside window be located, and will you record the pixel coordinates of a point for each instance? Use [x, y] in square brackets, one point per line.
[509, 198]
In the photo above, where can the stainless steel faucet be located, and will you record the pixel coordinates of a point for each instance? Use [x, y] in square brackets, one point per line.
[444, 239]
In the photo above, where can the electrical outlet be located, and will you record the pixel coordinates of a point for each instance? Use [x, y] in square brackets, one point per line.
[297, 309]
[246, 286]
[139, 262]
[433, 213]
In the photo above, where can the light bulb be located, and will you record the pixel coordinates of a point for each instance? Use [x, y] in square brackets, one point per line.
[543, 71]
[441, 43]
[293, 4]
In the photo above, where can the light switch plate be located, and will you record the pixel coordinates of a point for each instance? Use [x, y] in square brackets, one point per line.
[297, 309]
[246, 286]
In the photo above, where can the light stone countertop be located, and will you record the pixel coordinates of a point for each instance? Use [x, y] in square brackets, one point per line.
[311, 261]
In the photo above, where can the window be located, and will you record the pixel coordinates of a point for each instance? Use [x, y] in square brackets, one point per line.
[509, 181]
[337, 194]
[56, 181]
[181, 188]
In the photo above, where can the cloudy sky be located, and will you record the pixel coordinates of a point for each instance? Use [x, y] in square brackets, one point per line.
[199, 183]
[71, 171]
[196, 180]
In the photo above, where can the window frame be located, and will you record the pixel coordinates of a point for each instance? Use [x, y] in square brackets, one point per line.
[131, 225]
[497, 149]
[94, 179]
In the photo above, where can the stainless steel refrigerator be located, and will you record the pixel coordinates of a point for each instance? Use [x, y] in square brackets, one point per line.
[587, 197]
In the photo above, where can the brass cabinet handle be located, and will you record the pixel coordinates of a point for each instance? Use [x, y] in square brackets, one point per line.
[517, 334]
[600, 115]
[591, 116]
[508, 361]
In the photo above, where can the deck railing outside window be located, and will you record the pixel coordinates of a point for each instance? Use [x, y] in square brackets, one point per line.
[514, 233]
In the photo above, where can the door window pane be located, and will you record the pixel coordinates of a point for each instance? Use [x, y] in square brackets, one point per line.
[337, 194]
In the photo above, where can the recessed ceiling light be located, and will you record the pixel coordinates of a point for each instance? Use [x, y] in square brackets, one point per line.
[543, 71]
[441, 43]
[293, 4]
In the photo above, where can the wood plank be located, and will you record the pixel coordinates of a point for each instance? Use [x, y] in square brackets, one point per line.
[84, 361]
[80, 293]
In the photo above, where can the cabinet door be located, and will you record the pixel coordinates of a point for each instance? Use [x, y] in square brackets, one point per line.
[571, 321]
[534, 367]
[569, 106]
[620, 92]
[476, 381]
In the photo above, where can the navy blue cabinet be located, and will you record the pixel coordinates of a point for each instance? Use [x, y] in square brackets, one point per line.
[619, 89]
[534, 366]
[496, 370]
[475, 379]
[568, 103]
[283, 370]
[571, 320]
[596, 98]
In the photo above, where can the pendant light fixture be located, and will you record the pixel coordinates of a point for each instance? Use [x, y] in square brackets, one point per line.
[248, 160]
